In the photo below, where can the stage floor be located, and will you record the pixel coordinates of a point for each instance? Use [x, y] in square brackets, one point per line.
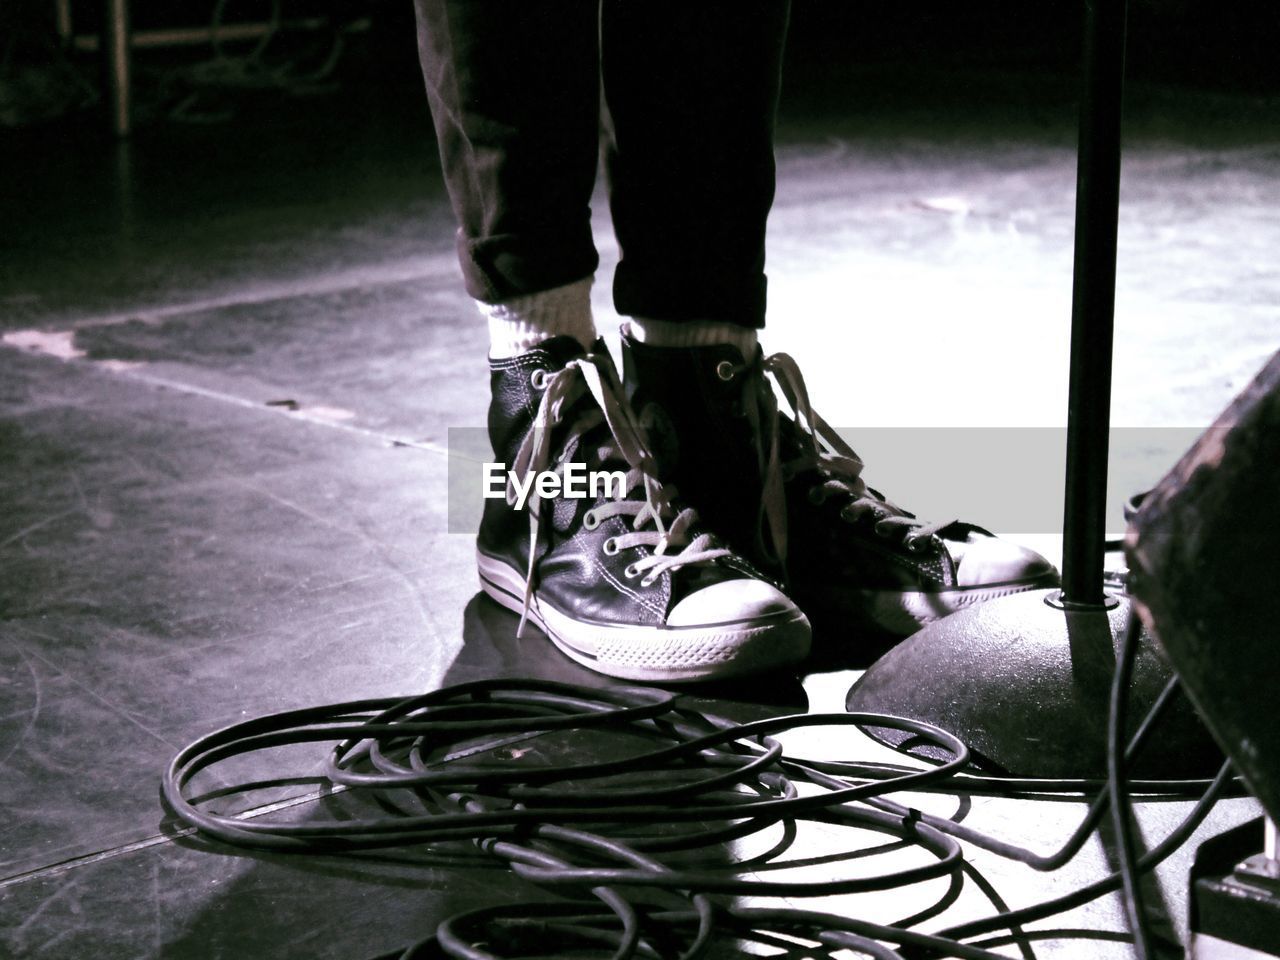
[231, 355]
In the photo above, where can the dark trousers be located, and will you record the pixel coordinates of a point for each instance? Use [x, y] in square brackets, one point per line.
[691, 90]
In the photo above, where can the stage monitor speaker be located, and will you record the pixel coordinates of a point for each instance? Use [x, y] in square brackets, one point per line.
[1204, 559]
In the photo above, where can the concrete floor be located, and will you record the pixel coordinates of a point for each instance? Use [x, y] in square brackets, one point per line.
[230, 359]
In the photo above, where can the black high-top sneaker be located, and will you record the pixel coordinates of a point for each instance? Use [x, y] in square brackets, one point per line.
[626, 579]
[788, 493]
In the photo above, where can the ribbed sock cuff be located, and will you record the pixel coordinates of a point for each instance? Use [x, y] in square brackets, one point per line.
[693, 333]
[521, 323]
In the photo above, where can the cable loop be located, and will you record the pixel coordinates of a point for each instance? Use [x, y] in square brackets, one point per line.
[491, 762]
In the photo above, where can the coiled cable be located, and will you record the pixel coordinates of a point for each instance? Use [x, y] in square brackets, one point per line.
[642, 835]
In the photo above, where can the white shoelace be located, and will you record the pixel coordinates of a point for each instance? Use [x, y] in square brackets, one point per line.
[823, 451]
[594, 373]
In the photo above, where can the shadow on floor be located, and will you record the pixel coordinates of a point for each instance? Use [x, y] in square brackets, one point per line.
[274, 899]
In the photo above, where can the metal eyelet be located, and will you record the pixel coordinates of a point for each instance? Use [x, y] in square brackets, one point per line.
[817, 496]
[917, 545]
[647, 582]
[589, 520]
[538, 379]
[631, 572]
[610, 547]
[725, 370]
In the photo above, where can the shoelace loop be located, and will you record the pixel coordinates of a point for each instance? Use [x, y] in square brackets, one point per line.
[822, 451]
[593, 373]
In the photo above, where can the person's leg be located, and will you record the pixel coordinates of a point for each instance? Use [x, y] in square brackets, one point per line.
[692, 92]
[625, 579]
[514, 94]
[692, 89]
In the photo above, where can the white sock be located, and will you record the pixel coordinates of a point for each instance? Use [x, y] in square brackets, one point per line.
[695, 333]
[521, 323]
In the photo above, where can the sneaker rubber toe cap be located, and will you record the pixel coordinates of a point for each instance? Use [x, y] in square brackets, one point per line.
[990, 561]
[731, 601]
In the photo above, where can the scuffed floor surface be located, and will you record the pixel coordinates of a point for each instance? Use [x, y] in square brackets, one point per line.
[226, 380]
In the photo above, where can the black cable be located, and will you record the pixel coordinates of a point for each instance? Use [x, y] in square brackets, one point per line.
[1069, 901]
[229, 742]
[623, 832]
[1121, 815]
[1065, 853]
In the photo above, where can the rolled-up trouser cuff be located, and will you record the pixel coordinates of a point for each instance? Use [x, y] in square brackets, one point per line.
[500, 267]
[689, 296]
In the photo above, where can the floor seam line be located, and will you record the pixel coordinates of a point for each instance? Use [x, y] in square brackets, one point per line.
[110, 853]
[155, 840]
[232, 399]
[344, 282]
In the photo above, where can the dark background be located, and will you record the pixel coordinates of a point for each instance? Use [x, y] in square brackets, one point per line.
[1201, 45]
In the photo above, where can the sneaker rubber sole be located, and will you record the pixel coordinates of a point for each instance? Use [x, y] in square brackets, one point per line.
[657, 654]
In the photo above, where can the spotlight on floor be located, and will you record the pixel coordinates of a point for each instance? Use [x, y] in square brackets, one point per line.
[1024, 679]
